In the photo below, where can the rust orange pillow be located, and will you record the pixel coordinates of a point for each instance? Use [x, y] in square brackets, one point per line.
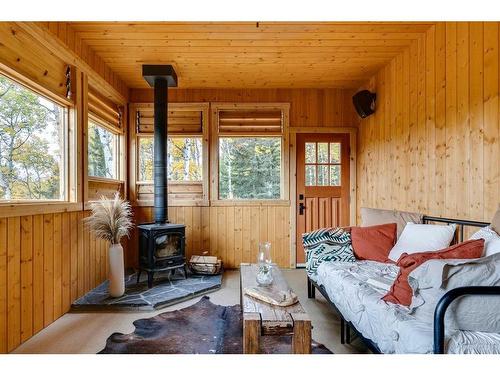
[374, 242]
[401, 292]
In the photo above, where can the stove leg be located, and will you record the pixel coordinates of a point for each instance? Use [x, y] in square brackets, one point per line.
[185, 271]
[150, 280]
[138, 276]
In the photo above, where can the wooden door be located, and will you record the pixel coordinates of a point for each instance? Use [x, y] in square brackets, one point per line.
[322, 184]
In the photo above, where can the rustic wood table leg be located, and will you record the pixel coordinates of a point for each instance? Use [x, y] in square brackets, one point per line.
[301, 340]
[251, 333]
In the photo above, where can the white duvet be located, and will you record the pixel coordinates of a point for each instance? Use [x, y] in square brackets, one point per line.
[389, 326]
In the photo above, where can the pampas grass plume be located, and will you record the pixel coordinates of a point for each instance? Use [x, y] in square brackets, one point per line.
[111, 219]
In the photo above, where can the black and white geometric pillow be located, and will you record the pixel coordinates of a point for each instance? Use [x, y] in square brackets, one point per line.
[327, 245]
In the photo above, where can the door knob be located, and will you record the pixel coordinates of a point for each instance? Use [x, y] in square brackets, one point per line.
[301, 208]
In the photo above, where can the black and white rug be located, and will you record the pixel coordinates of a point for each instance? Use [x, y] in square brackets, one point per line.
[167, 290]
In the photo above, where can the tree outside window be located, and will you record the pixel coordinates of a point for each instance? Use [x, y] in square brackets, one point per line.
[249, 167]
[32, 130]
[102, 152]
[185, 159]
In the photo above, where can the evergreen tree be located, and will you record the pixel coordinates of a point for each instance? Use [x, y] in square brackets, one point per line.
[96, 153]
[249, 168]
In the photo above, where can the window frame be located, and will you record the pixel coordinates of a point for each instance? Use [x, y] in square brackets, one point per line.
[135, 184]
[215, 136]
[100, 186]
[329, 163]
[118, 151]
[69, 176]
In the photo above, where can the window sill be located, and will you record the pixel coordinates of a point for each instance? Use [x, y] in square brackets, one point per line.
[175, 203]
[250, 202]
[180, 183]
[104, 180]
[24, 208]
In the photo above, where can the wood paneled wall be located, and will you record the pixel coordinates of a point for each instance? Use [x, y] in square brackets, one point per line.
[232, 233]
[47, 259]
[308, 107]
[74, 42]
[433, 144]
[20, 52]
[46, 262]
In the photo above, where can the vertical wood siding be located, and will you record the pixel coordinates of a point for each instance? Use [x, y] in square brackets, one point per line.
[231, 233]
[433, 144]
[308, 107]
[43, 260]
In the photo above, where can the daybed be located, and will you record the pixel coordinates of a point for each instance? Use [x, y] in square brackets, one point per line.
[391, 328]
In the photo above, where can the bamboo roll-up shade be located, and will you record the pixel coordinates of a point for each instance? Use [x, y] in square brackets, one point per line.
[250, 121]
[179, 122]
[104, 109]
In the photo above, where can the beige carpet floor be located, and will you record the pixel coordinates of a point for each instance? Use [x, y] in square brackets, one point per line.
[87, 332]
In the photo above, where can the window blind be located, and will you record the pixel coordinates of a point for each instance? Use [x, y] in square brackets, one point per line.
[239, 122]
[104, 109]
[179, 122]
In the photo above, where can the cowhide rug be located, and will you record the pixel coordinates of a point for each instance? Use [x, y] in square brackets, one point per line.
[202, 328]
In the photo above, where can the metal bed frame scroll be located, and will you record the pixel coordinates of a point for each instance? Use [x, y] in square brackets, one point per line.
[441, 307]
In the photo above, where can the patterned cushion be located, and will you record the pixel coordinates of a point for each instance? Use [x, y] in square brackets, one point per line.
[326, 245]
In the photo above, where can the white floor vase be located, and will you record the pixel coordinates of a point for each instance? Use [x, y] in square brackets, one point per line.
[116, 271]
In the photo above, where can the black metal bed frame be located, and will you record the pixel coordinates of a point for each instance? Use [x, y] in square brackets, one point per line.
[441, 307]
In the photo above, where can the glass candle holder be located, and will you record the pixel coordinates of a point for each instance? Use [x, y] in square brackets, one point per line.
[264, 267]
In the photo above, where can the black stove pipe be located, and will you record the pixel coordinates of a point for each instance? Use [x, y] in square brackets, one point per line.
[160, 78]
[160, 150]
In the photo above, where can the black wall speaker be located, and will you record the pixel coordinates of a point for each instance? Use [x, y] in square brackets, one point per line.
[364, 103]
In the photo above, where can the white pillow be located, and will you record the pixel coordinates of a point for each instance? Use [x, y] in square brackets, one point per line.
[417, 238]
[491, 240]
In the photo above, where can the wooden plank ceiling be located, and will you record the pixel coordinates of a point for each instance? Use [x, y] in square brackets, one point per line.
[250, 54]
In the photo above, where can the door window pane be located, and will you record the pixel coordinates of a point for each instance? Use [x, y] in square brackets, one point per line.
[334, 175]
[310, 175]
[310, 152]
[322, 175]
[249, 167]
[102, 152]
[334, 153]
[322, 153]
[33, 130]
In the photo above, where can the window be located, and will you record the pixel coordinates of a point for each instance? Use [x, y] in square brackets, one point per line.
[250, 152]
[102, 152]
[322, 164]
[249, 167]
[185, 159]
[33, 131]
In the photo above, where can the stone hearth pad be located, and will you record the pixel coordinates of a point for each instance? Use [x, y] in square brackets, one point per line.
[167, 290]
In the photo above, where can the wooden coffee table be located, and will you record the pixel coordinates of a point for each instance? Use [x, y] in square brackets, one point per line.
[260, 318]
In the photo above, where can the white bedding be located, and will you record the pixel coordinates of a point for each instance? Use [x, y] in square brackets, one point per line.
[389, 326]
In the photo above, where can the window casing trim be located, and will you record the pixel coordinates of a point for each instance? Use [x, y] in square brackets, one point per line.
[68, 175]
[214, 146]
[135, 184]
[118, 149]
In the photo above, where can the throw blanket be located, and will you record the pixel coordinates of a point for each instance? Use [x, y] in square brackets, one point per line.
[327, 245]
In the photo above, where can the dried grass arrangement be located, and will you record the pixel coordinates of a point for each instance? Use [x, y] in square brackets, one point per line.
[111, 219]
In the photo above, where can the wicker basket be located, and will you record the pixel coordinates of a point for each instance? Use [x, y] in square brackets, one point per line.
[205, 265]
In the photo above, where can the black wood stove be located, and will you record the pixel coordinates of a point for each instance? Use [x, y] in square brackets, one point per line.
[161, 244]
